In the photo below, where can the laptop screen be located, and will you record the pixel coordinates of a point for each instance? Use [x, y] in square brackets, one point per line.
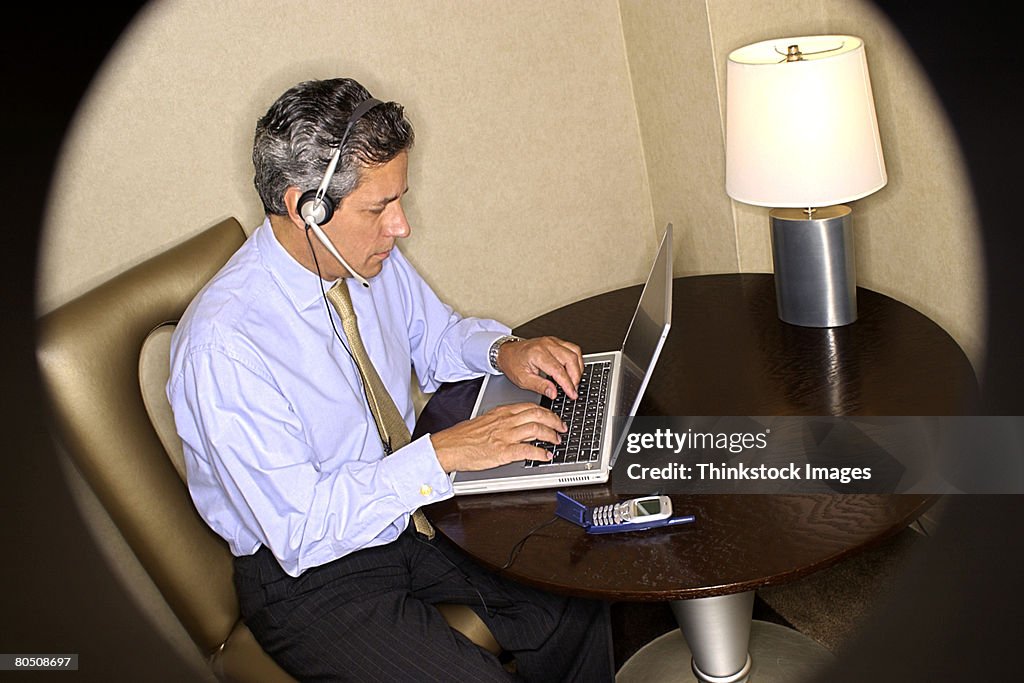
[648, 328]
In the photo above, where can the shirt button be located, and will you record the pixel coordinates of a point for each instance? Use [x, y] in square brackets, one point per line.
[426, 490]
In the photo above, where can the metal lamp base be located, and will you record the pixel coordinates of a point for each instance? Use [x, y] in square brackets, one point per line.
[815, 268]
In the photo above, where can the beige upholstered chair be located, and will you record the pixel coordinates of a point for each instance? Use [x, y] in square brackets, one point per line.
[104, 360]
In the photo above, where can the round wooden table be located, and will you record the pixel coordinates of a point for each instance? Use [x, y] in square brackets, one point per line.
[727, 354]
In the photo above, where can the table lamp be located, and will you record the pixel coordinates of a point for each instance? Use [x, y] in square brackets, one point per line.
[802, 138]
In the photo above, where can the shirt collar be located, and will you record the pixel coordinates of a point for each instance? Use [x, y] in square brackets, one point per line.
[301, 286]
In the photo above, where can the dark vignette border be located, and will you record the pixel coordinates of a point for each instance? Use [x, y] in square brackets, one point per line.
[958, 611]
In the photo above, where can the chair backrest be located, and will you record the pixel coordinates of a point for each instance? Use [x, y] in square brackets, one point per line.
[154, 371]
[89, 355]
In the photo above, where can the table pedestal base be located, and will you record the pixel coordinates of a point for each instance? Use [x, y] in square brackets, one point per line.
[777, 654]
[717, 630]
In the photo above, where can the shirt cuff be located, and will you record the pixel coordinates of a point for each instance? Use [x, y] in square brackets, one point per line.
[474, 351]
[416, 475]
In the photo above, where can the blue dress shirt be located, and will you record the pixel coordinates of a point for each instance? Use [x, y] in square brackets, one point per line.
[280, 446]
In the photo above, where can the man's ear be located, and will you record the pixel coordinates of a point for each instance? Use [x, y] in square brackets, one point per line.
[291, 202]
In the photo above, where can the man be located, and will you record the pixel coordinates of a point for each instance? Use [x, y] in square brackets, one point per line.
[289, 452]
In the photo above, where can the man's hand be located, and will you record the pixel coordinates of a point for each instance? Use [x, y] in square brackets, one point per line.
[523, 362]
[497, 437]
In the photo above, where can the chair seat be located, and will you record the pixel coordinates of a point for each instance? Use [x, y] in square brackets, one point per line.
[242, 659]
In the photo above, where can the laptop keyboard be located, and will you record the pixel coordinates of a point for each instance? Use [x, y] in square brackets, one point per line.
[584, 417]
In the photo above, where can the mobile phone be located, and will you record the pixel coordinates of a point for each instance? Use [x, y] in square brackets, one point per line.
[637, 514]
[633, 511]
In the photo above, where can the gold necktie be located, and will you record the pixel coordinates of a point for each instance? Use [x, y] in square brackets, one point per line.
[390, 425]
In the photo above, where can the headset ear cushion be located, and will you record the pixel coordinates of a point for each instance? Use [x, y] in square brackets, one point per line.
[311, 213]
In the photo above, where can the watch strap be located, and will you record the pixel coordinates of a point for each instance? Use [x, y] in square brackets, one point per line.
[492, 352]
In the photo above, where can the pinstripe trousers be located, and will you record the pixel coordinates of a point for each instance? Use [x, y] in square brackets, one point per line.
[370, 616]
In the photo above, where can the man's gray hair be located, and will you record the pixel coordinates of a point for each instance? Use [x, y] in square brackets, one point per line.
[297, 136]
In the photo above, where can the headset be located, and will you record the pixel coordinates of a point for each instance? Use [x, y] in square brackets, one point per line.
[316, 208]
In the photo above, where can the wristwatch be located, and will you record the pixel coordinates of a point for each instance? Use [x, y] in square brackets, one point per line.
[492, 353]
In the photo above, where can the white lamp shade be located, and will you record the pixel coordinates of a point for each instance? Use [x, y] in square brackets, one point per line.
[801, 134]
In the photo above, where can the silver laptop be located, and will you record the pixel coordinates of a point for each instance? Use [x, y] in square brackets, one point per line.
[613, 384]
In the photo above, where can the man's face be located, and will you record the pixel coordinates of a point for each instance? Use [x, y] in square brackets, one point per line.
[369, 221]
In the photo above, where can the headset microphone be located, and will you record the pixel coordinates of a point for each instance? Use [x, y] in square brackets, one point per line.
[316, 208]
[329, 246]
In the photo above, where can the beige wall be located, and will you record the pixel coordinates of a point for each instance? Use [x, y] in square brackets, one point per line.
[671, 62]
[918, 239]
[527, 142]
[529, 118]
[541, 126]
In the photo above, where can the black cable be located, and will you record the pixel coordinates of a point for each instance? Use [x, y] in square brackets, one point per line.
[387, 446]
[327, 305]
[465, 576]
[512, 557]
[514, 553]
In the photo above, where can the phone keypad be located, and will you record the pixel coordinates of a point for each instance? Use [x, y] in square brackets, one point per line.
[615, 513]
